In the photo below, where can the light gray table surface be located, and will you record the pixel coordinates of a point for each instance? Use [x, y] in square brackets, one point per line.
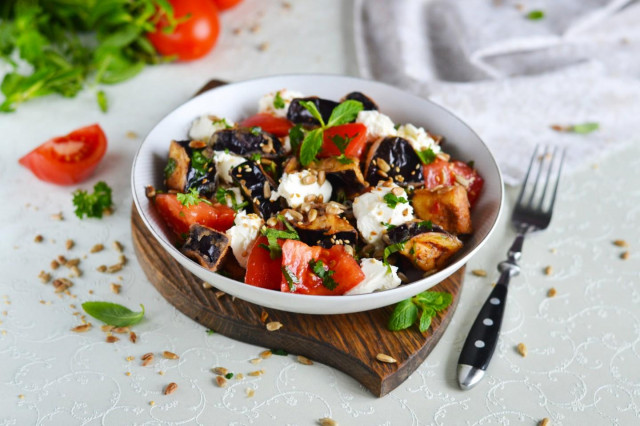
[583, 362]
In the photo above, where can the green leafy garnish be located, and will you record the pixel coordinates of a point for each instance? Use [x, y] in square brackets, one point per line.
[255, 157]
[388, 226]
[325, 274]
[280, 352]
[585, 128]
[191, 198]
[222, 195]
[290, 277]
[170, 168]
[210, 332]
[535, 15]
[393, 248]
[95, 204]
[222, 121]
[199, 162]
[113, 314]
[278, 102]
[296, 136]
[405, 314]
[103, 103]
[228, 376]
[312, 142]
[273, 235]
[255, 130]
[425, 224]
[342, 143]
[427, 156]
[393, 200]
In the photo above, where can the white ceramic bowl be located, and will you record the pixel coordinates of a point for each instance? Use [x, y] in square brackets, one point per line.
[239, 100]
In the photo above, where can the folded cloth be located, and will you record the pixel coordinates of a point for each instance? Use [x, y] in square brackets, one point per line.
[510, 77]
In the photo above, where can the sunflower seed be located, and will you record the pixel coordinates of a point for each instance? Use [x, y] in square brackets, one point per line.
[479, 272]
[621, 243]
[552, 292]
[171, 388]
[82, 328]
[326, 421]
[274, 325]
[386, 358]
[96, 248]
[221, 381]
[169, 355]
[522, 349]
[220, 371]
[112, 339]
[304, 360]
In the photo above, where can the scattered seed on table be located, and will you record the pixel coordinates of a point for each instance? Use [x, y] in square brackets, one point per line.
[266, 354]
[114, 268]
[326, 421]
[101, 268]
[479, 272]
[152, 403]
[45, 277]
[386, 358]
[171, 388]
[115, 288]
[96, 248]
[221, 381]
[263, 316]
[38, 238]
[206, 285]
[522, 349]
[54, 264]
[112, 339]
[256, 373]
[169, 355]
[57, 216]
[120, 330]
[255, 360]
[147, 359]
[544, 422]
[219, 294]
[548, 270]
[118, 246]
[69, 244]
[133, 337]
[81, 328]
[304, 360]
[552, 292]
[620, 243]
[130, 358]
[220, 371]
[274, 325]
[625, 255]
[250, 392]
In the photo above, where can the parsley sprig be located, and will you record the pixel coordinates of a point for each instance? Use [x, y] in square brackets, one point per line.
[222, 195]
[95, 204]
[426, 156]
[272, 234]
[324, 274]
[278, 102]
[406, 313]
[393, 200]
[311, 144]
[191, 198]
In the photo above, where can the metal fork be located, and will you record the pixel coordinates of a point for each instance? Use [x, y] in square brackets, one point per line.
[532, 213]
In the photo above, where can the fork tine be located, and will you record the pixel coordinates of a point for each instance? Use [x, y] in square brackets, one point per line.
[535, 183]
[555, 188]
[548, 177]
[526, 177]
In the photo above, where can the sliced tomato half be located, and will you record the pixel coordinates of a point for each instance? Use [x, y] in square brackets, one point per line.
[471, 179]
[262, 271]
[179, 217]
[357, 132]
[295, 258]
[69, 159]
[278, 126]
[437, 173]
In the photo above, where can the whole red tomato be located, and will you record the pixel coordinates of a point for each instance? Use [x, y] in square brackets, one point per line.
[226, 4]
[194, 36]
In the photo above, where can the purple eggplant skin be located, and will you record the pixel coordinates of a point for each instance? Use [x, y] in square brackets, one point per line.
[300, 115]
[252, 179]
[342, 175]
[246, 141]
[327, 232]
[183, 173]
[409, 230]
[206, 246]
[367, 103]
[405, 165]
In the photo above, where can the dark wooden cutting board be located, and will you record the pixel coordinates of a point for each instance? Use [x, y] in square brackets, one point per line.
[347, 342]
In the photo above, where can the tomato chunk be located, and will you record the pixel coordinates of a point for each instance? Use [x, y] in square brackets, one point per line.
[357, 132]
[70, 159]
[278, 126]
[437, 173]
[262, 271]
[296, 256]
[179, 217]
[443, 173]
[473, 182]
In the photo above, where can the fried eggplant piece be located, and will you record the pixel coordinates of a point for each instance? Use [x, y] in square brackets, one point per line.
[245, 141]
[206, 246]
[346, 176]
[327, 230]
[252, 180]
[367, 103]
[300, 115]
[394, 158]
[447, 207]
[190, 166]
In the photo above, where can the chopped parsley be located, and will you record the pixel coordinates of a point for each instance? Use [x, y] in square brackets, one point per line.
[324, 274]
[535, 15]
[223, 195]
[222, 121]
[255, 130]
[393, 200]
[278, 102]
[388, 226]
[425, 224]
[273, 235]
[280, 352]
[427, 156]
[95, 204]
[199, 162]
[169, 168]
[290, 277]
[191, 198]
[228, 376]
[389, 250]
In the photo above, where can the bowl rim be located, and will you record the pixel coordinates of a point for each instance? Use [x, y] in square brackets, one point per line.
[405, 288]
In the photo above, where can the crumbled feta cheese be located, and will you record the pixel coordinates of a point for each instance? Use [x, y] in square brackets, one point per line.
[266, 103]
[378, 125]
[377, 276]
[242, 234]
[286, 144]
[224, 163]
[230, 199]
[293, 190]
[418, 138]
[203, 127]
[372, 211]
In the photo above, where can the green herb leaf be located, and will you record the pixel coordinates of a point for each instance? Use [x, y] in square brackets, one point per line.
[342, 159]
[170, 168]
[403, 316]
[393, 200]
[210, 332]
[325, 274]
[228, 376]
[273, 235]
[296, 136]
[199, 162]
[425, 224]
[341, 142]
[224, 195]
[222, 121]
[103, 103]
[393, 248]
[280, 352]
[427, 156]
[425, 319]
[95, 204]
[113, 314]
[535, 15]
[255, 130]
[585, 128]
[311, 107]
[311, 145]
[345, 113]
[191, 198]
[255, 157]
[388, 226]
[290, 278]
[278, 102]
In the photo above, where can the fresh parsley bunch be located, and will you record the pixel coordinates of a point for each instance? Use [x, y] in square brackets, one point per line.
[73, 44]
[94, 204]
[407, 312]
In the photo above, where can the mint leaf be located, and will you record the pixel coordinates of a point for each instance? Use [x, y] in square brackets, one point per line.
[296, 136]
[425, 319]
[273, 235]
[535, 15]
[222, 195]
[341, 142]
[427, 156]
[404, 315]
[393, 248]
[585, 128]
[278, 102]
[311, 107]
[311, 145]
[344, 113]
[113, 314]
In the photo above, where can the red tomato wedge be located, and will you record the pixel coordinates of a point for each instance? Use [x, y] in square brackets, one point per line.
[357, 132]
[179, 218]
[296, 256]
[278, 126]
[226, 4]
[444, 173]
[194, 36]
[262, 271]
[70, 159]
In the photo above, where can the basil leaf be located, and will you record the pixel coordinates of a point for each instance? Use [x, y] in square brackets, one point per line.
[585, 128]
[345, 113]
[425, 319]
[311, 145]
[311, 107]
[113, 314]
[426, 156]
[404, 315]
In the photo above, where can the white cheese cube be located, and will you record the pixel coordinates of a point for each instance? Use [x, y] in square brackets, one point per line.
[268, 104]
[378, 125]
[294, 191]
[377, 276]
[224, 163]
[418, 138]
[242, 235]
[203, 127]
